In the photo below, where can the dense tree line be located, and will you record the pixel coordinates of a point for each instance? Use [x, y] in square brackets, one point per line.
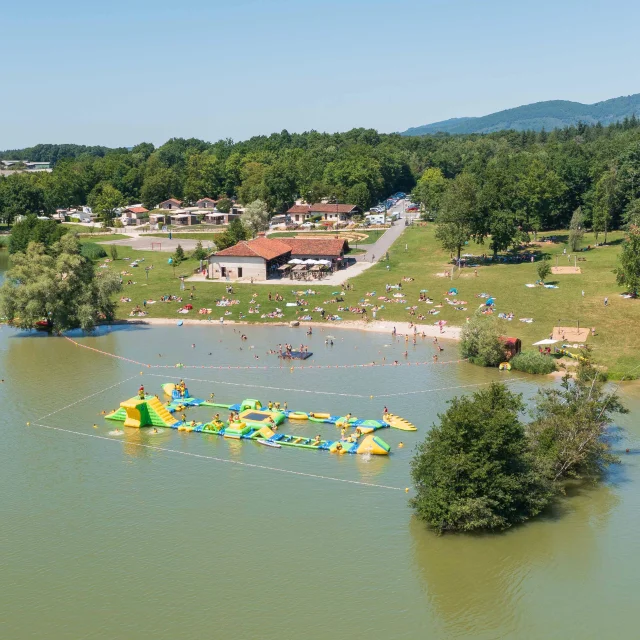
[510, 181]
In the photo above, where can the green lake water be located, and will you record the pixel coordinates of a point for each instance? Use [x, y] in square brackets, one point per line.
[104, 538]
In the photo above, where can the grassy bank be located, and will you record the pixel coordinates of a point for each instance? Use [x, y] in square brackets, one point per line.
[616, 345]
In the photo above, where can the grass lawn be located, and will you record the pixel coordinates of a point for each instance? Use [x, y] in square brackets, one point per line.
[616, 345]
[196, 235]
[353, 236]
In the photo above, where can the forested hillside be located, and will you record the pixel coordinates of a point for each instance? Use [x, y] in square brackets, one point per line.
[548, 115]
[532, 180]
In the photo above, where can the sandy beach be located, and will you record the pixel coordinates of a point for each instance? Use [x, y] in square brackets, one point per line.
[377, 326]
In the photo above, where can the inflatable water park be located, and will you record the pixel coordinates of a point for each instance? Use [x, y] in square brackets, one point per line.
[251, 420]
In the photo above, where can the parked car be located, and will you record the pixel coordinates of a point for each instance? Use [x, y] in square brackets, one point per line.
[307, 225]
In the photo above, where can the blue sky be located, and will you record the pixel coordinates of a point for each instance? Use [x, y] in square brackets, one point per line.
[130, 71]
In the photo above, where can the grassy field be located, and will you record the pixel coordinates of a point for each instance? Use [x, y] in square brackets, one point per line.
[354, 237]
[616, 345]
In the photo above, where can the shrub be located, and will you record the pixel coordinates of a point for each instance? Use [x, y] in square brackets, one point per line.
[481, 343]
[544, 269]
[533, 362]
[199, 252]
[93, 251]
[113, 250]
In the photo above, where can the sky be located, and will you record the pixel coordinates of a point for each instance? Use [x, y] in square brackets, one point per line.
[122, 72]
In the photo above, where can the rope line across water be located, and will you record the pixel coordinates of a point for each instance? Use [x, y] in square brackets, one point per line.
[215, 459]
[337, 393]
[91, 395]
[262, 367]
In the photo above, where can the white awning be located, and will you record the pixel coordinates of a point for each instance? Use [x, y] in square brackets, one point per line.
[545, 341]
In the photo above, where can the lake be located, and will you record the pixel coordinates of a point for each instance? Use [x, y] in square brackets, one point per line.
[107, 538]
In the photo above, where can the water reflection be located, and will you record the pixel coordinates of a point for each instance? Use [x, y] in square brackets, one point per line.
[475, 583]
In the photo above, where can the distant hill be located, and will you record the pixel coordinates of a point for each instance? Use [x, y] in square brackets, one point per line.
[551, 114]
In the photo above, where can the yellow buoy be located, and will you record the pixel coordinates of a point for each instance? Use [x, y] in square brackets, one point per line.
[28, 423]
[406, 490]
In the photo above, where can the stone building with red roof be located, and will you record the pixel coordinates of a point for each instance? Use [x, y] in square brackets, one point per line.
[262, 258]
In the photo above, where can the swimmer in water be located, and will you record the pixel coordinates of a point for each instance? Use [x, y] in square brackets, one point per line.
[154, 430]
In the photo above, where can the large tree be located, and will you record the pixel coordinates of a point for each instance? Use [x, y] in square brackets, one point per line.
[104, 200]
[458, 216]
[59, 286]
[606, 202]
[628, 273]
[429, 190]
[256, 216]
[474, 470]
[569, 433]
[20, 194]
[576, 229]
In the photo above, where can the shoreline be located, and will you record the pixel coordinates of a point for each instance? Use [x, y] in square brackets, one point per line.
[376, 326]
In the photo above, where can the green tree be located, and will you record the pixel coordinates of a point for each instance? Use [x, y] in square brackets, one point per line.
[474, 470]
[480, 341]
[159, 184]
[204, 177]
[607, 194]
[31, 229]
[429, 190]
[503, 229]
[224, 205]
[104, 200]
[235, 232]
[20, 194]
[178, 255]
[457, 218]
[60, 286]
[569, 433]
[199, 252]
[539, 191]
[359, 195]
[543, 269]
[576, 229]
[632, 213]
[628, 273]
[113, 250]
[256, 217]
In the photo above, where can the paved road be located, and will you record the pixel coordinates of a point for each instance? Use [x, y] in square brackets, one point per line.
[379, 248]
[143, 243]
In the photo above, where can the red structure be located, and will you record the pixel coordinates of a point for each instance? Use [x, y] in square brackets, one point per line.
[512, 346]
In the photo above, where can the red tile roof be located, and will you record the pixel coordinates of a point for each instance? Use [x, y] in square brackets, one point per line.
[207, 199]
[316, 246]
[322, 208]
[137, 210]
[259, 247]
[172, 200]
